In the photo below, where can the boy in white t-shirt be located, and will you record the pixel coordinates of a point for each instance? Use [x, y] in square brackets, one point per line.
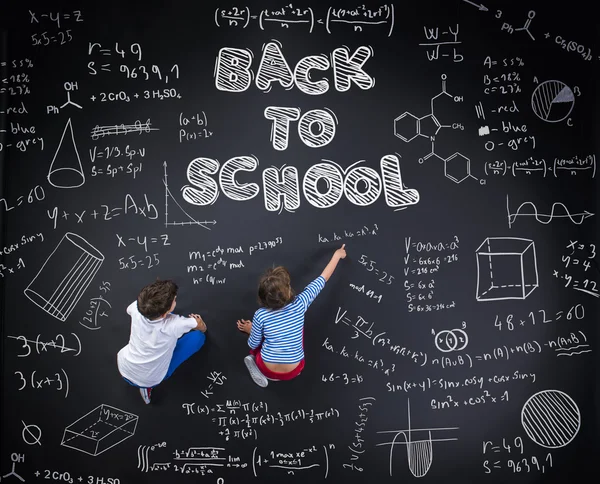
[159, 341]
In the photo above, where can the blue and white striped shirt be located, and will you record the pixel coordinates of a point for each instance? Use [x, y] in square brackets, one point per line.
[282, 329]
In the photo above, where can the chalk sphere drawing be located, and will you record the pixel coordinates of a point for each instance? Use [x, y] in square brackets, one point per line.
[551, 418]
[65, 276]
[552, 101]
[66, 170]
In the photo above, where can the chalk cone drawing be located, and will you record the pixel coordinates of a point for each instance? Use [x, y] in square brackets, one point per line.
[190, 220]
[551, 419]
[419, 452]
[64, 277]
[506, 269]
[558, 211]
[66, 170]
[100, 430]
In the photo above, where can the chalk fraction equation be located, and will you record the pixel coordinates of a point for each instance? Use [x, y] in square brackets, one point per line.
[216, 379]
[241, 420]
[109, 152]
[358, 440]
[532, 166]
[358, 19]
[191, 460]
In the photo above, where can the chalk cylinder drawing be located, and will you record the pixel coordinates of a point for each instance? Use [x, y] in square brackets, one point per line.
[506, 269]
[66, 170]
[64, 277]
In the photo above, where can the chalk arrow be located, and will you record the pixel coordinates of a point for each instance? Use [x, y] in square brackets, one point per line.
[481, 7]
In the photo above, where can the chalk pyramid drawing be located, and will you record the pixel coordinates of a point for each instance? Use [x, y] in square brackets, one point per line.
[190, 220]
[66, 170]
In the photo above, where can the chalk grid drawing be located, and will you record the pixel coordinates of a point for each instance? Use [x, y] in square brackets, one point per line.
[191, 220]
[64, 277]
[100, 430]
[551, 419]
[66, 170]
[419, 452]
[546, 218]
[506, 269]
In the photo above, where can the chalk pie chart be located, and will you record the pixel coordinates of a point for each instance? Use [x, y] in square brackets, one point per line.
[552, 101]
[551, 418]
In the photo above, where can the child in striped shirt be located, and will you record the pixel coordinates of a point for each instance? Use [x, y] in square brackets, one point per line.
[276, 332]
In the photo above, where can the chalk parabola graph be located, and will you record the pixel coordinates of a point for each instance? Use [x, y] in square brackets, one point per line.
[551, 418]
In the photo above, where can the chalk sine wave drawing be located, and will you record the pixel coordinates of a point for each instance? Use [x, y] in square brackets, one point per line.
[546, 218]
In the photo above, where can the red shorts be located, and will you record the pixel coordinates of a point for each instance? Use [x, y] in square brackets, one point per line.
[275, 375]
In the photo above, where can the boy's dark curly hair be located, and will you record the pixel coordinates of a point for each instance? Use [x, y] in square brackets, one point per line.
[156, 299]
[274, 288]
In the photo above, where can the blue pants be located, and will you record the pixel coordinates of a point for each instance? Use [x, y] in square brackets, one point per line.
[186, 346]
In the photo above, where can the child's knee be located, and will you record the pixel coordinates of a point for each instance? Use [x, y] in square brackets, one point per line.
[198, 338]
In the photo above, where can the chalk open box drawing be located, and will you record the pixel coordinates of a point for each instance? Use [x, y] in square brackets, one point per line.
[100, 430]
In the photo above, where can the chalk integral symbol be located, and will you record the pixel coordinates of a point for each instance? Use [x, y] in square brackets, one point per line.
[66, 170]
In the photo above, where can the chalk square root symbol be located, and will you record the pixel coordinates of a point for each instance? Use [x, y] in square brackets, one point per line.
[100, 430]
[506, 269]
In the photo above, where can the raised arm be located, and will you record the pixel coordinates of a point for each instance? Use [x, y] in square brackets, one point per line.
[337, 255]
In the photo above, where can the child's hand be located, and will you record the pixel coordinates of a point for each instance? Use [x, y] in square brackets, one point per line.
[244, 326]
[341, 252]
[201, 324]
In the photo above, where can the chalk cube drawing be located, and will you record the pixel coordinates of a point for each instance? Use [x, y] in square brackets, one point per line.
[100, 430]
[506, 269]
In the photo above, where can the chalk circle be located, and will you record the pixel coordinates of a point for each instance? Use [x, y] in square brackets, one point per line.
[551, 419]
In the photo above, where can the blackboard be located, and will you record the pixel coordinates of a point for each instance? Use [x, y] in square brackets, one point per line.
[451, 145]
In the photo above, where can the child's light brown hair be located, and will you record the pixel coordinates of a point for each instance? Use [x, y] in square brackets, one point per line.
[274, 288]
[156, 299]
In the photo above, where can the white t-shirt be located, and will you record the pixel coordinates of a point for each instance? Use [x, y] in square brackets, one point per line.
[145, 360]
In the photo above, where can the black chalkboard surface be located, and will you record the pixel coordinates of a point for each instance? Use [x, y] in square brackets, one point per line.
[451, 145]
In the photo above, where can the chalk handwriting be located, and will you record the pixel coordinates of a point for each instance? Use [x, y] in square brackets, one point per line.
[41, 345]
